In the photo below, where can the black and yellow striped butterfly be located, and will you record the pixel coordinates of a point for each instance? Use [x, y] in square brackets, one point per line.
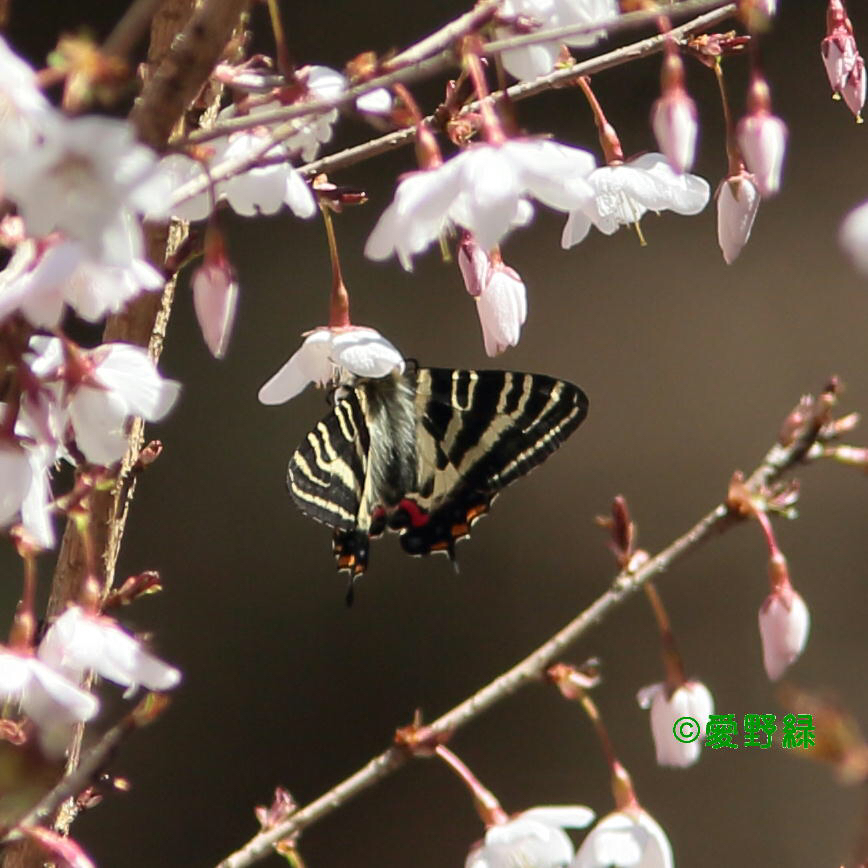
[425, 452]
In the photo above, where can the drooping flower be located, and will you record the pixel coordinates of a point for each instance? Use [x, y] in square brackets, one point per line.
[737, 203]
[532, 839]
[83, 178]
[23, 108]
[330, 355]
[49, 699]
[78, 641]
[624, 193]
[673, 117]
[844, 65]
[629, 838]
[762, 138]
[691, 699]
[531, 61]
[784, 623]
[500, 294]
[485, 189]
[108, 385]
[215, 295]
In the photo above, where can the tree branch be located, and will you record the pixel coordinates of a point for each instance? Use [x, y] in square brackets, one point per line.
[777, 461]
[367, 150]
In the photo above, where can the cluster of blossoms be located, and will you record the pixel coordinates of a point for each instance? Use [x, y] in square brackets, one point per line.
[46, 683]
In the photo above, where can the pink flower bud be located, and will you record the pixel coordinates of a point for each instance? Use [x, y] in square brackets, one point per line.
[215, 295]
[784, 623]
[737, 203]
[673, 120]
[762, 138]
[844, 65]
[501, 297]
[854, 88]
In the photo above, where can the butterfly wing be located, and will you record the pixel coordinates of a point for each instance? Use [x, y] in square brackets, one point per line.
[478, 431]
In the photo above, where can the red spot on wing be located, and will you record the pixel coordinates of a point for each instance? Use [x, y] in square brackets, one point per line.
[418, 517]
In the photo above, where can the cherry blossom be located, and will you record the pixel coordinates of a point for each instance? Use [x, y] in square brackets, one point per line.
[762, 138]
[531, 61]
[215, 298]
[48, 698]
[533, 838]
[38, 282]
[629, 838]
[673, 117]
[260, 190]
[332, 355]
[623, 193]
[784, 623]
[844, 65]
[737, 203]
[104, 387]
[500, 294]
[83, 178]
[485, 189]
[78, 641]
[691, 699]
[23, 108]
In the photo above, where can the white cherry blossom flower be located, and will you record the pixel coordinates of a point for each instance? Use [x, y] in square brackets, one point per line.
[691, 699]
[114, 381]
[624, 193]
[838, 48]
[500, 294]
[332, 354]
[630, 838]
[854, 87]
[485, 189]
[48, 698]
[531, 61]
[23, 108]
[78, 641]
[784, 623]
[377, 102]
[737, 203]
[532, 839]
[82, 179]
[38, 283]
[260, 190]
[16, 478]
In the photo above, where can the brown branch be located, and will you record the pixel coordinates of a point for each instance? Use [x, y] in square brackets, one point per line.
[777, 461]
[183, 61]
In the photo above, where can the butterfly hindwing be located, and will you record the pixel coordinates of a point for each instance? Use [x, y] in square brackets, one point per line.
[478, 432]
[425, 453]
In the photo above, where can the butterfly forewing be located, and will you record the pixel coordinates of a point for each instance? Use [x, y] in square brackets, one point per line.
[327, 473]
[475, 433]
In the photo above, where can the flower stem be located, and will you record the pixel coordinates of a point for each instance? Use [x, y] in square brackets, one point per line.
[736, 164]
[339, 304]
[284, 61]
[609, 141]
[672, 662]
[494, 134]
[485, 801]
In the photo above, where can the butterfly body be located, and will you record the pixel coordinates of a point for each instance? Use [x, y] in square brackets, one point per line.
[425, 452]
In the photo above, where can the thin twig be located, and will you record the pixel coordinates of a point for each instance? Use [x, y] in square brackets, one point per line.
[524, 90]
[778, 460]
[414, 65]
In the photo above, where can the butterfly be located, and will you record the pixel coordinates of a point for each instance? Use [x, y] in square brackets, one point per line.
[424, 453]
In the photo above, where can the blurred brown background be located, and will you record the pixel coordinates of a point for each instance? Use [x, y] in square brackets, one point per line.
[690, 366]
